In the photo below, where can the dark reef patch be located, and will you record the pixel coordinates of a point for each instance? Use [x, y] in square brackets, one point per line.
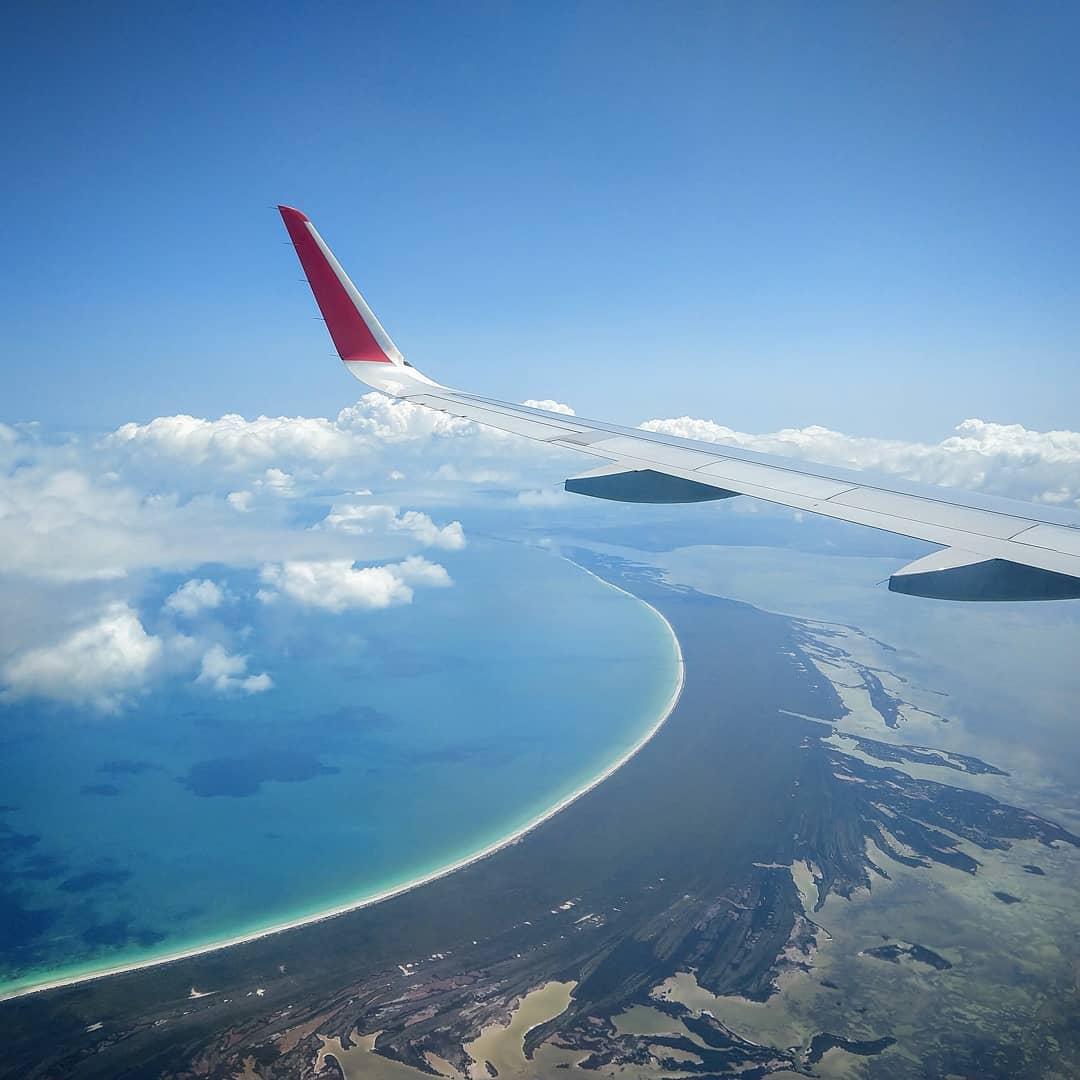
[94, 879]
[119, 932]
[126, 767]
[239, 777]
[186, 914]
[353, 716]
[12, 842]
[40, 867]
[20, 925]
[107, 790]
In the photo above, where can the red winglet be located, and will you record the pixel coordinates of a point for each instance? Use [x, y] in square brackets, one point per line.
[354, 328]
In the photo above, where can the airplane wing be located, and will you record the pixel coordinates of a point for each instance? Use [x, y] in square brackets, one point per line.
[991, 549]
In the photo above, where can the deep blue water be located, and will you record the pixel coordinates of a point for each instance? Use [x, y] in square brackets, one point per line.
[393, 743]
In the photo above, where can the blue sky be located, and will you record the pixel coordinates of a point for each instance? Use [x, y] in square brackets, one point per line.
[862, 216]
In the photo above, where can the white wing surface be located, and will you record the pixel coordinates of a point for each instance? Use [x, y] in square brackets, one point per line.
[993, 549]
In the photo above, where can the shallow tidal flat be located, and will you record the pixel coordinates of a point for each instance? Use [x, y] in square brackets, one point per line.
[710, 866]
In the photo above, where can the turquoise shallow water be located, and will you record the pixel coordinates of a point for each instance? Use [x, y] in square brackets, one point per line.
[393, 743]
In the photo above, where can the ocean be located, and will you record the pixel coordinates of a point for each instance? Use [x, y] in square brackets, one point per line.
[393, 743]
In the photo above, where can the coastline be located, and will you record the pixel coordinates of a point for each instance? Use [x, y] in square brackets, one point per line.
[397, 890]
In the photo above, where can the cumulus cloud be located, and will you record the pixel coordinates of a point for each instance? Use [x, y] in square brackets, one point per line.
[364, 519]
[390, 420]
[195, 596]
[232, 440]
[377, 438]
[484, 476]
[549, 406]
[98, 665]
[178, 491]
[541, 497]
[265, 445]
[227, 673]
[1000, 459]
[338, 584]
[278, 482]
[181, 491]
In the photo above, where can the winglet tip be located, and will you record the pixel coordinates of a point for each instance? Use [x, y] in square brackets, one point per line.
[291, 213]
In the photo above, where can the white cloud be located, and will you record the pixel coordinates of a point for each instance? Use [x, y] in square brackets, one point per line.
[995, 458]
[375, 439]
[338, 584]
[549, 406]
[227, 673]
[60, 521]
[97, 665]
[232, 440]
[268, 444]
[279, 482]
[165, 494]
[1000, 459]
[362, 519]
[376, 417]
[195, 596]
[545, 497]
[486, 477]
[180, 491]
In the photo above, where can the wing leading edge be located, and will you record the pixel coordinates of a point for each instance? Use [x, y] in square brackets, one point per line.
[994, 549]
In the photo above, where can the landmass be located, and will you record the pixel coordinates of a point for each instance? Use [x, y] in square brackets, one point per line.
[678, 865]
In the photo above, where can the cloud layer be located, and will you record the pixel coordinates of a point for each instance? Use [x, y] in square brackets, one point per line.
[999, 459]
[332, 516]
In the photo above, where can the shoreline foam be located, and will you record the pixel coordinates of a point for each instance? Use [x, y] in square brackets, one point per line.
[397, 890]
